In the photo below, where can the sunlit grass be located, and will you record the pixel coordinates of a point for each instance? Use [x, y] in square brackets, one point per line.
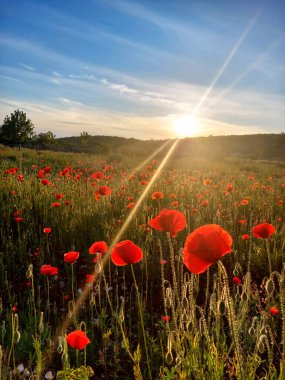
[206, 311]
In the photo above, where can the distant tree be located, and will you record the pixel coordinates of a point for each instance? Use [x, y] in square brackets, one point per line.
[45, 139]
[84, 137]
[16, 129]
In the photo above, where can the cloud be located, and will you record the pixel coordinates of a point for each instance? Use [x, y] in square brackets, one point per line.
[27, 67]
[9, 78]
[56, 74]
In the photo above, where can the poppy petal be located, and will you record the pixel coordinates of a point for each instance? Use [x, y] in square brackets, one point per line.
[77, 339]
[205, 246]
[171, 221]
[126, 252]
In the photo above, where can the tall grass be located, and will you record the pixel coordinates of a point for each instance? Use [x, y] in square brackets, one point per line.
[212, 328]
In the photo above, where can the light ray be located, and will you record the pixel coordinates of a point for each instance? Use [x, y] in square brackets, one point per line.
[86, 289]
[244, 73]
[226, 63]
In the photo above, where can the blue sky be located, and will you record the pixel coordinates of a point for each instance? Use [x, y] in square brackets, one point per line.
[139, 68]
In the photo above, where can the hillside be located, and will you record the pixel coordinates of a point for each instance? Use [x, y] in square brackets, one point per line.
[261, 147]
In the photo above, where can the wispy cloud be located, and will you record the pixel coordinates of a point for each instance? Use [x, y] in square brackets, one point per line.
[27, 67]
[56, 74]
[5, 77]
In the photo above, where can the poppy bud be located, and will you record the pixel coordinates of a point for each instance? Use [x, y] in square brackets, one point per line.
[222, 307]
[260, 347]
[169, 358]
[29, 272]
[185, 303]
[244, 297]
[190, 326]
[17, 336]
[251, 331]
[98, 268]
[168, 302]
[270, 287]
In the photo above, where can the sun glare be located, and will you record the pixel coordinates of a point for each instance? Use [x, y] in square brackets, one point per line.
[186, 126]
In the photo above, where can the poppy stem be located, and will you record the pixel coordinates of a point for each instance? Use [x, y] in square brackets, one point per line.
[72, 284]
[48, 297]
[107, 292]
[77, 358]
[142, 322]
[268, 255]
[231, 317]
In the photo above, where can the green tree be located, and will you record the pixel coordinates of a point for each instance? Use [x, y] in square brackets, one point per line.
[45, 139]
[84, 137]
[16, 128]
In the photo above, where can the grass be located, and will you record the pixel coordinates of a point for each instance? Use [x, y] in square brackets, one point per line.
[216, 329]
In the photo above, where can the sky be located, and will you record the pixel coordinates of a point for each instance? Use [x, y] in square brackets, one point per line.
[146, 69]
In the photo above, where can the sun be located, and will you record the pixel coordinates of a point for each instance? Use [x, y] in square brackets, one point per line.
[186, 125]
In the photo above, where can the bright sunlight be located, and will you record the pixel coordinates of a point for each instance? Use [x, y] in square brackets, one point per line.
[186, 126]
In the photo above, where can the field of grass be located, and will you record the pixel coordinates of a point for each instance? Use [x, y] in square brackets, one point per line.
[152, 318]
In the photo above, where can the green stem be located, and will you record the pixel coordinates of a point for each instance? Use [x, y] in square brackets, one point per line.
[48, 298]
[77, 358]
[72, 283]
[142, 322]
[12, 340]
[231, 316]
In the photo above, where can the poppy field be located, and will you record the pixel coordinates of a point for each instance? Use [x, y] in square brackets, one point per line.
[164, 270]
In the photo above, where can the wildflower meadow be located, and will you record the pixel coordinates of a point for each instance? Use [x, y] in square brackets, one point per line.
[161, 269]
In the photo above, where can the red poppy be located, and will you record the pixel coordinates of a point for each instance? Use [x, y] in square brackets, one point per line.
[47, 169]
[47, 230]
[89, 278]
[207, 181]
[11, 170]
[263, 230]
[229, 187]
[273, 310]
[130, 205]
[126, 252]
[236, 280]
[45, 182]
[71, 257]
[18, 219]
[244, 202]
[59, 196]
[157, 195]
[48, 270]
[98, 247]
[97, 175]
[204, 203]
[171, 221]
[205, 246]
[104, 190]
[165, 318]
[56, 204]
[245, 237]
[77, 339]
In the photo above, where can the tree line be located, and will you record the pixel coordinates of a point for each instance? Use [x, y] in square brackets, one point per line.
[17, 129]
